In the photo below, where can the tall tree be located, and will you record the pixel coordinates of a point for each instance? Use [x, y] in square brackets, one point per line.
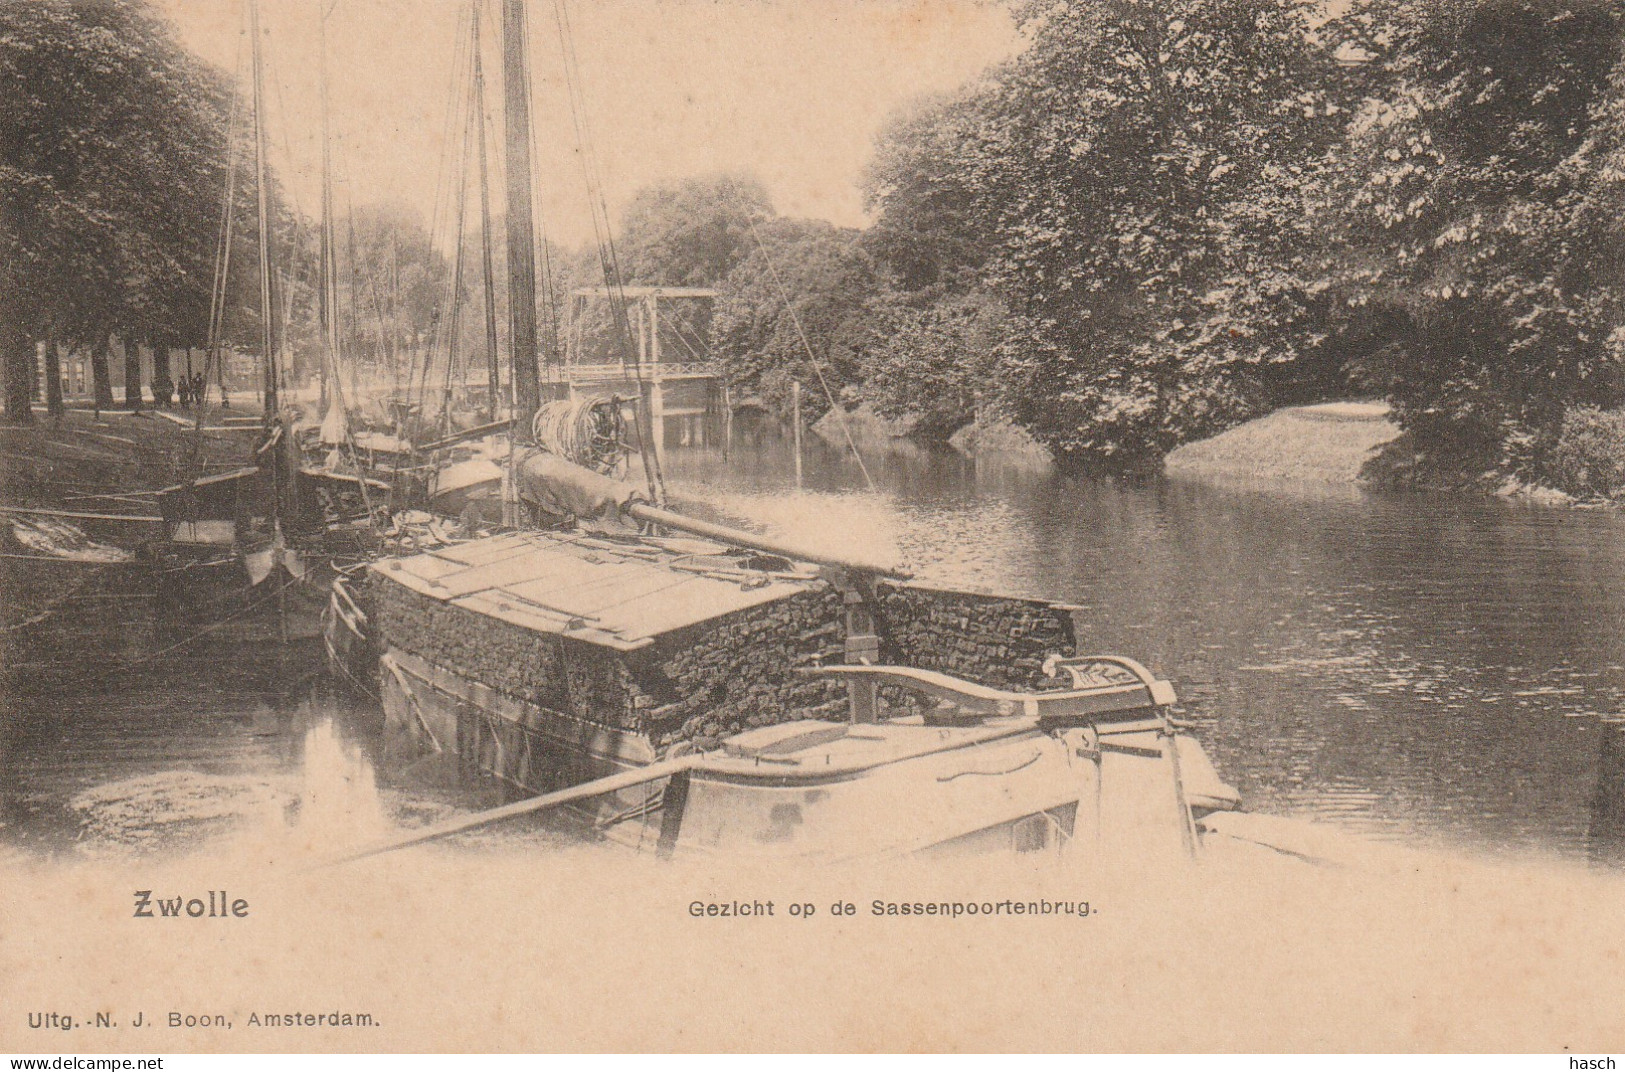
[17, 353]
[100, 377]
[691, 232]
[920, 184]
[1145, 168]
[132, 373]
[53, 381]
[112, 164]
[1478, 194]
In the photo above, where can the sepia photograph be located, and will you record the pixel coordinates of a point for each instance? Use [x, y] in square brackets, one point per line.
[841, 526]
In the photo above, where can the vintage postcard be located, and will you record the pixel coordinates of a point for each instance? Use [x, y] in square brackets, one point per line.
[774, 525]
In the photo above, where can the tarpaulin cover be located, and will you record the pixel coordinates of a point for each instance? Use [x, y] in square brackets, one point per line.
[562, 487]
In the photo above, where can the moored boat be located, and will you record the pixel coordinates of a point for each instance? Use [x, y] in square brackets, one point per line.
[687, 695]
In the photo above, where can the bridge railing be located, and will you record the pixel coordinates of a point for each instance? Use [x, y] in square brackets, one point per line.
[648, 370]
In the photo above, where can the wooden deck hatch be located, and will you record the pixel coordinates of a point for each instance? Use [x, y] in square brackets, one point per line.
[619, 595]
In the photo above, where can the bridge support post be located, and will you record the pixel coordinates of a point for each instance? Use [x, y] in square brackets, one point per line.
[657, 417]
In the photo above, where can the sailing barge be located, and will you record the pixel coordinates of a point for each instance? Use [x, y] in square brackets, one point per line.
[687, 695]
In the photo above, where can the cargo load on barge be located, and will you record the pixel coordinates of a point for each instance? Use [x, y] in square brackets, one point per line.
[625, 648]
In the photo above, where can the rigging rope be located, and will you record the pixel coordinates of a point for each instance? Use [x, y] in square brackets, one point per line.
[222, 263]
[417, 392]
[284, 374]
[546, 278]
[840, 414]
[609, 261]
[454, 321]
[588, 431]
[385, 351]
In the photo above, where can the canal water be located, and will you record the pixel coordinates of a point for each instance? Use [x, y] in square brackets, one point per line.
[1429, 670]
[1426, 669]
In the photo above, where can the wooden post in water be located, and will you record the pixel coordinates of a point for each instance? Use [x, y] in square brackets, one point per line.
[521, 229]
[795, 416]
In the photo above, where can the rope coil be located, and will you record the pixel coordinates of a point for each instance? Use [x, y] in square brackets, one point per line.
[589, 431]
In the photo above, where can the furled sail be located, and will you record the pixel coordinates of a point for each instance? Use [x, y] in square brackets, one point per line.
[335, 429]
[561, 487]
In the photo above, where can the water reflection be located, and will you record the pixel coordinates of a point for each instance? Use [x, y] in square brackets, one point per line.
[339, 801]
[1411, 667]
[232, 739]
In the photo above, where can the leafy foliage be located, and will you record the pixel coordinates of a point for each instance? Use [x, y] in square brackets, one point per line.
[830, 280]
[928, 228]
[399, 280]
[1196, 209]
[1147, 169]
[936, 363]
[1134, 186]
[1477, 194]
[1589, 455]
[690, 233]
[112, 173]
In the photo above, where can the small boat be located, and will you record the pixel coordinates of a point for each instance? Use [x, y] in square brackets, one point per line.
[213, 514]
[943, 766]
[949, 767]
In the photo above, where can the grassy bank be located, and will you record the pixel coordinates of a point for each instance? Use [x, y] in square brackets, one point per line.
[104, 464]
[1322, 444]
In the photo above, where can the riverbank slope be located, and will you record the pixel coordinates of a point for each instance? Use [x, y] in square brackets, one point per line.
[113, 463]
[1327, 443]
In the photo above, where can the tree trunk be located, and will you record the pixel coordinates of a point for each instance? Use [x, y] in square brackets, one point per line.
[17, 352]
[163, 386]
[99, 372]
[53, 381]
[132, 374]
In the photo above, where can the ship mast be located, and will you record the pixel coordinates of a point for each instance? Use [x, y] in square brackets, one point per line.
[521, 228]
[328, 304]
[493, 369]
[267, 298]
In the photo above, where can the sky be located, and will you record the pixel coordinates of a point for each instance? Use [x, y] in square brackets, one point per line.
[793, 91]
